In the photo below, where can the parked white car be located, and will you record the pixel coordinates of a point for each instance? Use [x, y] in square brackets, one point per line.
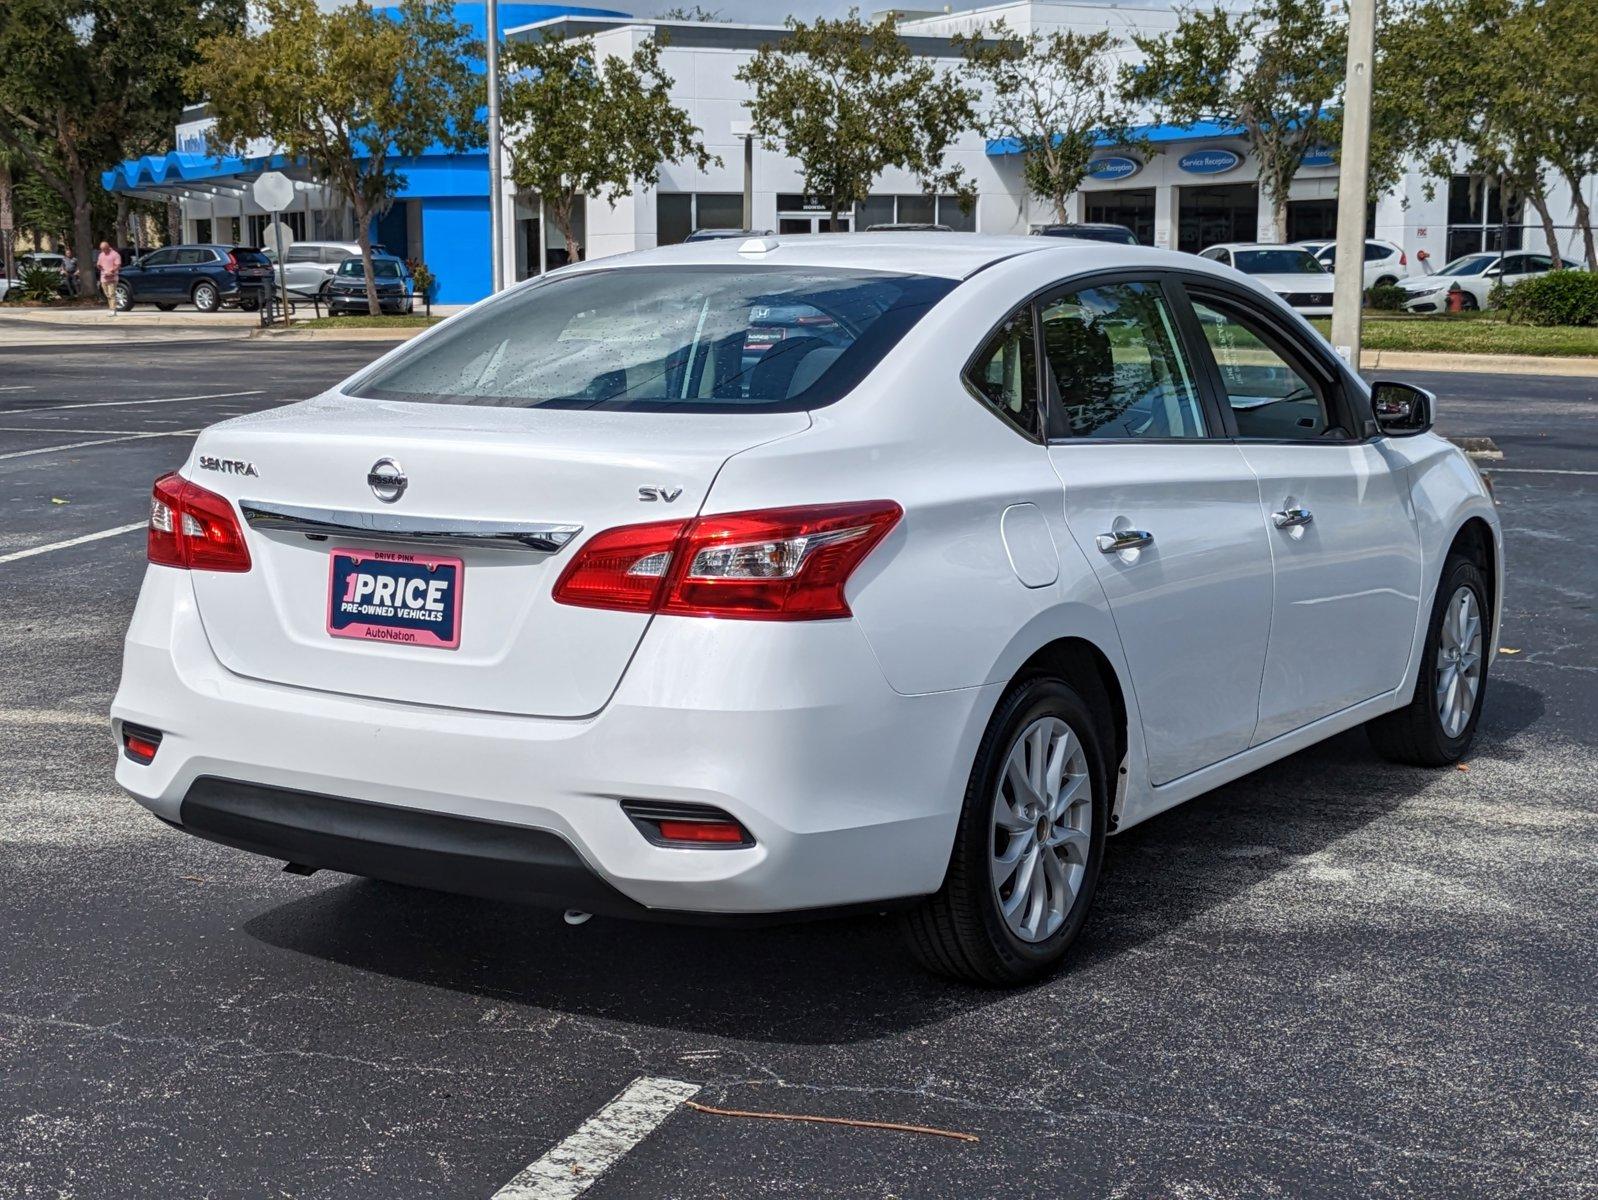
[731, 580]
[1292, 272]
[309, 267]
[1474, 276]
[1385, 262]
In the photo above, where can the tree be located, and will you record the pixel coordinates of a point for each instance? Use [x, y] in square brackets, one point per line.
[1452, 83]
[576, 125]
[1055, 96]
[83, 79]
[349, 92]
[848, 100]
[1271, 70]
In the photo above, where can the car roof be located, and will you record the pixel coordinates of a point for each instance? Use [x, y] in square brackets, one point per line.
[1256, 246]
[947, 256]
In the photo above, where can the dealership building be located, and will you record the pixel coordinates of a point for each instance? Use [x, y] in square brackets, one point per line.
[1185, 187]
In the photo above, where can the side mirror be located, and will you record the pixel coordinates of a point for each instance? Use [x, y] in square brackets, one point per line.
[1401, 409]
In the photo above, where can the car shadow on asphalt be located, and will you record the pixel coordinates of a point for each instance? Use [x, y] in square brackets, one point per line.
[845, 981]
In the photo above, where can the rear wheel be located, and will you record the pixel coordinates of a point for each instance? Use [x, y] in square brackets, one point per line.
[1028, 847]
[206, 298]
[1437, 726]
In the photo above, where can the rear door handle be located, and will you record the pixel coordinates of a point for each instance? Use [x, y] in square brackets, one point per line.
[1291, 518]
[1123, 539]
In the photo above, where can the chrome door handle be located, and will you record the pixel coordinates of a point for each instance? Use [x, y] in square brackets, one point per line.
[1290, 518]
[1123, 539]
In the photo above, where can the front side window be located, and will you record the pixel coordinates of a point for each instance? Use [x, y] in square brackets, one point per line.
[1270, 396]
[1005, 373]
[1118, 366]
[657, 338]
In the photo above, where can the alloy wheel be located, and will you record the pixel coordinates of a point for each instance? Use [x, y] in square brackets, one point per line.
[1459, 662]
[1042, 828]
[205, 297]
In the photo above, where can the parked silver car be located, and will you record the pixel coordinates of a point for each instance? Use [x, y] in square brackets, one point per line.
[308, 267]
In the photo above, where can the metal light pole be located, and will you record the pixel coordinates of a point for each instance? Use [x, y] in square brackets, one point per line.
[1353, 182]
[496, 199]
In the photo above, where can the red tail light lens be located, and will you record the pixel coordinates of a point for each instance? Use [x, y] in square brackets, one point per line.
[781, 564]
[232, 262]
[720, 833]
[194, 529]
[1403, 259]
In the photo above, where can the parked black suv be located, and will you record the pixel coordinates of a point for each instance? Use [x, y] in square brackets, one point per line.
[206, 276]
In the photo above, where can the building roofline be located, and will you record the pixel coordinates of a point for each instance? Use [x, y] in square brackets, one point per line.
[701, 35]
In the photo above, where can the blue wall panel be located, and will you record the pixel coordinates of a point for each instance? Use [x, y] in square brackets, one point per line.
[455, 246]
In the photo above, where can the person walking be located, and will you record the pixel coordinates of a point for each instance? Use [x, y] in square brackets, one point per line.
[109, 264]
[69, 271]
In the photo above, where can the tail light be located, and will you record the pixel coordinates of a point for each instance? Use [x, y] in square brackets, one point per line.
[193, 529]
[232, 263]
[1403, 259]
[779, 564]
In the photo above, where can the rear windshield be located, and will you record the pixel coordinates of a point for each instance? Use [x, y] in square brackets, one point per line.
[381, 269]
[654, 338]
[1277, 262]
[251, 258]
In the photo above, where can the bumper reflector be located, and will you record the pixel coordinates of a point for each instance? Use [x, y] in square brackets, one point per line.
[687, 825]
[140, 744]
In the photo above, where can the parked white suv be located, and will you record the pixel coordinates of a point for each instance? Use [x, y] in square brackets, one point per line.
[1385, 262]
[309, 267]
[739, 579]
[1293, 273]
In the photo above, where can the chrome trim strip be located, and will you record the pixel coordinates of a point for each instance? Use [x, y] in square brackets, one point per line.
[327, 522]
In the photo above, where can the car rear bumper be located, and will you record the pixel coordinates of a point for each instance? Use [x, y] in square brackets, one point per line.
[851, 790]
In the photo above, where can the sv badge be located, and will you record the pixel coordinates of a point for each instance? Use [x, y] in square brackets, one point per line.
[664, 495]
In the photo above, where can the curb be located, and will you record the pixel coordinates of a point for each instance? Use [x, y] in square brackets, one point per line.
[1482, 364]
[341, 335]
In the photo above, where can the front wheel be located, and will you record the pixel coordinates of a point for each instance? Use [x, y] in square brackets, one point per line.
[124, 297]
[206, 298]
[1437, 726]
[1028, 846]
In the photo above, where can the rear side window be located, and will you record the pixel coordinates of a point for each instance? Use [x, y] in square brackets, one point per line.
[1005, 373]
[654, 338]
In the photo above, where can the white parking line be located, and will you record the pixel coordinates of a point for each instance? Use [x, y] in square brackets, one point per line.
[1534, 471]
[107, 432]
[17, 387]
[571, 1168]
[11, 412]
[110, 441]
[77, 541]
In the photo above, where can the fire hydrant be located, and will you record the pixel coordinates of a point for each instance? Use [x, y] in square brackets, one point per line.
[1456, 300]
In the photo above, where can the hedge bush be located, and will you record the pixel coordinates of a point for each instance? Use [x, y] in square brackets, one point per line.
[1557, 298]
[1386, 297]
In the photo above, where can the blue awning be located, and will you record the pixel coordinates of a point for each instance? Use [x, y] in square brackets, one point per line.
[1197, 132]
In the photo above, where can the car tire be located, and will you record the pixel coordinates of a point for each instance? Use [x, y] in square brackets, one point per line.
[206, 298]
[1387, 281]
[1467, 302]
[962, 931]
[124, 298]
[1437, 726]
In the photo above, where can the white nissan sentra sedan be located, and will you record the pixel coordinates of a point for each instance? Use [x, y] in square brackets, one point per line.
[740, 580]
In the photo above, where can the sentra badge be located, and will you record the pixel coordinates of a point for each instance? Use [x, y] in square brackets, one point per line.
[228, 466]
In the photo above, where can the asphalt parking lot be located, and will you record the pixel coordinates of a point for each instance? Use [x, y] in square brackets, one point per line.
[1335, 977]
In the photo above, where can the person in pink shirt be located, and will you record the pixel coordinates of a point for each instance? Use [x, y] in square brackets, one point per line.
[110, 264]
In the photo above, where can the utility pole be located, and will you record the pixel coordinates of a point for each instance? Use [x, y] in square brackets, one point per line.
[1353, 182]
[496, 199]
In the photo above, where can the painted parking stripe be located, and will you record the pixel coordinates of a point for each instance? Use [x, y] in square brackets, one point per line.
[1534, 471]
[109, 441]
[77, 541]
[17, 387]
[91, 432]
[11, 412]
[572, 1167]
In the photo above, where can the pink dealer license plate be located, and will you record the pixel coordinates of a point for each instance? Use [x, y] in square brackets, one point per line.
[390, 596]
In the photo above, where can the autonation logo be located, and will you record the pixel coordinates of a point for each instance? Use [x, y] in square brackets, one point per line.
[1209, 162]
